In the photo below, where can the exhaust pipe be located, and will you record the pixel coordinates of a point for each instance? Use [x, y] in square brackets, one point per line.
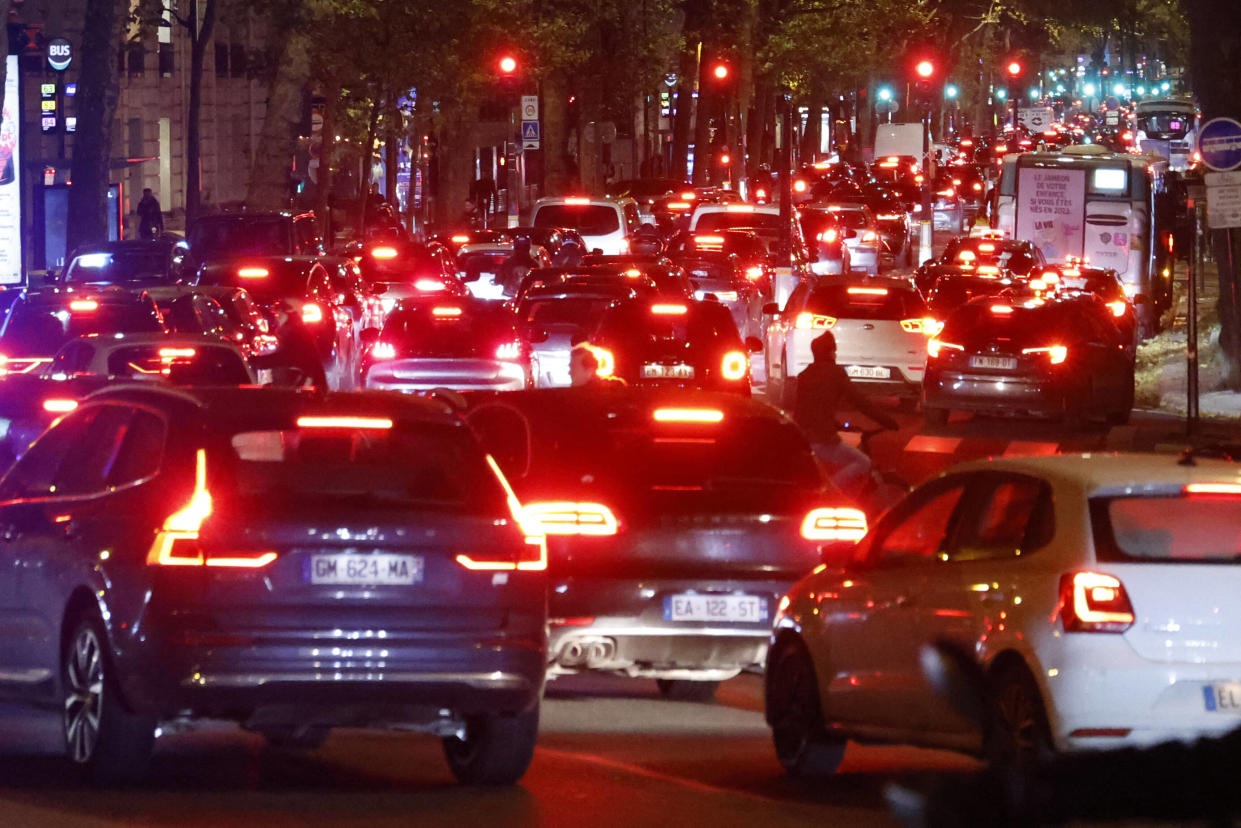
[587, 651]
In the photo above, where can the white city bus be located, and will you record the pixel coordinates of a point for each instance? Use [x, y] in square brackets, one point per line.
[1169, 128]
[1110, 209]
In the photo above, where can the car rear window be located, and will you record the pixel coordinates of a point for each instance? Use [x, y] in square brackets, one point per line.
[1184, 528]
[583, 313]
[181, 365]
[865, 302]
[1022, 325]
[739, 220]
[708, 273]
[239, 237]
[587, 219]
[145, 266]
[474, 332]
[634, 324]
[405, 465]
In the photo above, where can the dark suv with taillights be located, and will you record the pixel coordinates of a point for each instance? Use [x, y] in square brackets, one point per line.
[289, 561]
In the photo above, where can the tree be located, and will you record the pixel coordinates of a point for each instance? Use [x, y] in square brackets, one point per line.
[200, 28]
[98, 90]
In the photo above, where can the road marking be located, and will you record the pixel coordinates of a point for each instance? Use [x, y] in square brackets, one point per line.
[933, 445]
[1019, 448]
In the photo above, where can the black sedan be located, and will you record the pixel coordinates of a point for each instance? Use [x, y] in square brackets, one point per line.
[286, 561]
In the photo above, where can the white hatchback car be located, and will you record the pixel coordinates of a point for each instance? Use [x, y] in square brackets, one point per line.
[881, 327]
[1098, 592]
[604, 224]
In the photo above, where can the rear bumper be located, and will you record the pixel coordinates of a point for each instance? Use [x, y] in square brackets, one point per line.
[462, 375]
[1031, 394]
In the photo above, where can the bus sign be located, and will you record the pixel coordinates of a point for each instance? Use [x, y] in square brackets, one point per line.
[1219, 144]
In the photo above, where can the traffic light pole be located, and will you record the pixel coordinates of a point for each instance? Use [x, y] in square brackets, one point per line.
[926, 223]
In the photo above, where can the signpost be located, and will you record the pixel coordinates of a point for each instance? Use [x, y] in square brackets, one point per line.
[529, 135]
[1219, 143]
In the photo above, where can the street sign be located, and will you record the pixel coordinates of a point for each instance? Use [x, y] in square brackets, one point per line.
[529, 134]
[1223, 200]
[59, 54]
[1219, 142]
[1036, 118]
[529, 107]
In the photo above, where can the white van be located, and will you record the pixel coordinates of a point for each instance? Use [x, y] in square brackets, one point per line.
[604, 224]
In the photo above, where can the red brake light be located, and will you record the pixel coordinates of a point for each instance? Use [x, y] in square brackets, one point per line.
[531, 561]
[1002, 310]
[83, 306]
[669, 310]
[571, 518]
[934, 346]
[688, 415]
[1056, 354]
[176, 353]
[59, 406]
[734, 365]
[1094, 602]
[813, 321]
[383, 252]
[689, 195]
[311, 313]
[868, 291]
[509, 351]
[709, 241]
[926, 325]
[869, 236]
[577, 200]
[754, 273]
[253, 273]
[344, 421]
[834, 524]
[678, 205]
[429, 285]
[1117, 308]
[830, 236]
[799, 186]
[1213, 488]
[604, 359]
[446, 312]
[460, 238]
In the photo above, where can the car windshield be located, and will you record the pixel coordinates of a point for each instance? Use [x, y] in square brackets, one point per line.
[240, 236]
[866, 302]
[1182, 528]
[739, 220]
[361, 469]
[1164, 126]
[39, 329]
[142, 266]
[852, 219]
[587, 219]
[450, 330]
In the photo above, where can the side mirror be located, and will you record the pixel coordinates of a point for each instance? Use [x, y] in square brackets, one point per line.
[771, 307]
[369, 336]
[51, 277]
[753, 344]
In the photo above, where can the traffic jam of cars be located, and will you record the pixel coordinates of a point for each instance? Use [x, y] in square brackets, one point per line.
[408, 481]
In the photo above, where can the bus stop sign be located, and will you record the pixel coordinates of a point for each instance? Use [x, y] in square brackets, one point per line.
[1219, 144]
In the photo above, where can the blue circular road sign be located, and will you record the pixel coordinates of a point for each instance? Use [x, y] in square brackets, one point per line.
[1219, 143]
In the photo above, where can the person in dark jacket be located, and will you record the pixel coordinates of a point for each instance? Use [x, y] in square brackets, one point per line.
[150, 216]
[823, 389]
[296, 355]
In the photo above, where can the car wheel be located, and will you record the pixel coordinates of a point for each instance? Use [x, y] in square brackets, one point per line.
[692, 691]
[1019, 736]
[934, 416]
[103, 739]
[802, 743]
[496, 749]
[299, 738]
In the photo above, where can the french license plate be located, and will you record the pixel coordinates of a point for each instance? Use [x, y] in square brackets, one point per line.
[715, 608]
[868, 371]
[1002, 363]
[667, 372]
[1223, 698]
[379, 569]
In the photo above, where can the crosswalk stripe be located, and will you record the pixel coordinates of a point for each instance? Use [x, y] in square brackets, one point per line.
[933, 445]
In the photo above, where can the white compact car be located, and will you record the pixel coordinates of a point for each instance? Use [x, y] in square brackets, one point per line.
[1098, 592]
[881, 327]
[604, 224]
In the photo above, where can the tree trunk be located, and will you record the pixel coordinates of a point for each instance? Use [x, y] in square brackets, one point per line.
[813, 137]
[557, 179]
[200, 36]
[327, 136]
[393, 134]
[683, 117]
[99, 87]
[269, 176]
[456, 159]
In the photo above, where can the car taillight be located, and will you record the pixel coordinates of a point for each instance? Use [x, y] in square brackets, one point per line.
[688, 415]
[570, 518]
[889, 217]
[925, 325]
[509, 350]
[311, 313]
[1094, 602]
[799, 186]
[1118, 308]
[345, 421]
[869, 236]
[59, 406]
[383, 252]
[834, 524]
[533, 557]
[754, 273]
[429, 285]
[807, 321]
[460, 238]
[948, 193]
[253, 273]
[176, 544]
[1229, 490]
[624, 245]
[734, 365]
[669, 310]
[977, 187]
[384, 350]
[829, 236]
[934, 346]
[83, 306]
[446, 312]
[1055, 353]
[678, 205]
[760, 193]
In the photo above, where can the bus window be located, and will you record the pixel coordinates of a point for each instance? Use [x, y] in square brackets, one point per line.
[1109, 181]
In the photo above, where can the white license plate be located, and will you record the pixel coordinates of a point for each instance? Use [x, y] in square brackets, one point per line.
[667, 372]
[715, 608]
[1001, 363]
[1223, 698]
[868, 372]
[380, 569]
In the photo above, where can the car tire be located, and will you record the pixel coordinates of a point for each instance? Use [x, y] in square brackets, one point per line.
[690, 691]
[104, 741]
[1019, 738]
[496, 750]
[798, 733]
[296, 738]
[934, 415]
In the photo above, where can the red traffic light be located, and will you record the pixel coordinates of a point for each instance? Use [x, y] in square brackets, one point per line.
[720, 71]
[1014, 68]
[924, 69]
[508, 64]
